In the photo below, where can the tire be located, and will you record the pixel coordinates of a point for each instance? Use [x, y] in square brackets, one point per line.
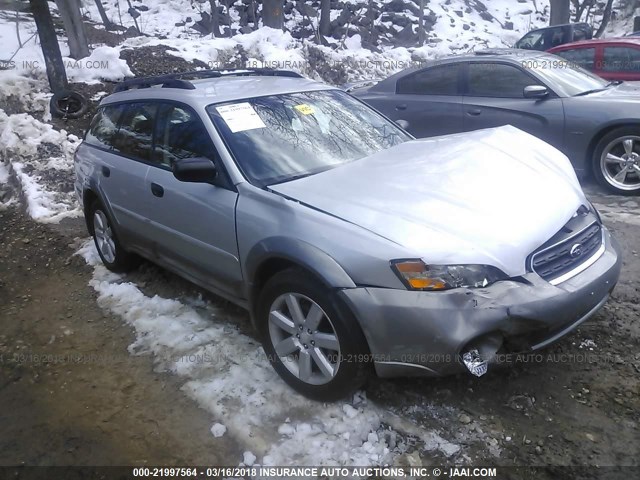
[612, 155]
[350, 363]
[68, 104]
[111, 252]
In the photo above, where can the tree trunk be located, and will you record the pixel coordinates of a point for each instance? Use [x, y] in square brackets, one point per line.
[49, 43]
[560, 12]
[606, 16]
[108, 24]
[325, 18]
[73, 25]
[215, 19]
[272, 14]
[421, 32]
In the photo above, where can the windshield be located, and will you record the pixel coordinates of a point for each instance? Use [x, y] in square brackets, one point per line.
[565, 77]
[278, 138]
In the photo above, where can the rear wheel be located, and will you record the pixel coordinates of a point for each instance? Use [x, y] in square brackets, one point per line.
[114, 257]
[311, 339]
[616, 161]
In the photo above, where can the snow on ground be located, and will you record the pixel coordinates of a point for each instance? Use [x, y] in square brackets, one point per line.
[37, 155]
[227, 373]
[103, 63]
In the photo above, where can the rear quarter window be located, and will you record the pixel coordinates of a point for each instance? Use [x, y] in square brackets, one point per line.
[104, 126]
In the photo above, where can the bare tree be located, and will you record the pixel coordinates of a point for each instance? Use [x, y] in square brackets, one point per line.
[108, 24]
[50, 48]
[560, 12]
[606, 16]
[421, 32]
[272, 13]
[325, 17]
[215, 19]
[74, 27]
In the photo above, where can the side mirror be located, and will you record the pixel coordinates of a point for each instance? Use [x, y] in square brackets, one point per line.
[195, 170]
[535, 91]
[402, 124]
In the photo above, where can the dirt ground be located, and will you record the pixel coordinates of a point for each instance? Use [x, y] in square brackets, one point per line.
[71, 394]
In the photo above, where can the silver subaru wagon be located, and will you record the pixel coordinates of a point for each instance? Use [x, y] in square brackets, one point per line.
[355, 247]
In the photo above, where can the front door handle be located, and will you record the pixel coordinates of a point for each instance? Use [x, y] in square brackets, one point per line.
[105, 171]
[402, 106]
[157, 190]
[474, 112]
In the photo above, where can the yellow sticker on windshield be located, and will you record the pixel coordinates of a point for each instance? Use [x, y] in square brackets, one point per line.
[304, 109]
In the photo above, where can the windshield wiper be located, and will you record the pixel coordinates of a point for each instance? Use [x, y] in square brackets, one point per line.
[613, 83]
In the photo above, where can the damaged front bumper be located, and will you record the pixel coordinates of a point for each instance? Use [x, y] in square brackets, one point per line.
[427, 333]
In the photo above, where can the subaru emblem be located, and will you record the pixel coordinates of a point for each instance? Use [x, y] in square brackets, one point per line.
[576, 250]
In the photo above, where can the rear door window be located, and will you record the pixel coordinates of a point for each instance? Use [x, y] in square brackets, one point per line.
[583, 57]
[440, 80]
[135, 136]
[104, 126]
[621, 59]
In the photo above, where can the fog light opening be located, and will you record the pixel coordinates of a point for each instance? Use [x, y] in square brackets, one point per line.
[474, 363]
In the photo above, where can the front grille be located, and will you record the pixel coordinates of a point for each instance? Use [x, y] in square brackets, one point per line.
[554, 261]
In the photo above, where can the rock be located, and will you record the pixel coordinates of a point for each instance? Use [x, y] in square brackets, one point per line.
[538, 450]
[508, 25]
[464, 419]
[591, 437]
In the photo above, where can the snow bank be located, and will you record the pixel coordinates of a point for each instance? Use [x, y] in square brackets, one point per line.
[228, 374]
[41, 158]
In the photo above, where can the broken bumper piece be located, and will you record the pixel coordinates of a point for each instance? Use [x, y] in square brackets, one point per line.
[437, 333]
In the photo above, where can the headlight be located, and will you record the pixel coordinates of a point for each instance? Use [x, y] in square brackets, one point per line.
[416, 275]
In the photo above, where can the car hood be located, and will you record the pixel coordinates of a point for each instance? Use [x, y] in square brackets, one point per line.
[629, 91]
[486, 197]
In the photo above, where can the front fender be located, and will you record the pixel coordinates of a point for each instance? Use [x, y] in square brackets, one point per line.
[300, 253]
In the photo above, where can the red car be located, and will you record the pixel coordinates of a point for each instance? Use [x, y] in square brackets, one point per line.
[610, 58]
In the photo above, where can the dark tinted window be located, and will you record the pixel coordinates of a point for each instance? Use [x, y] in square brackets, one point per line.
[441, 80]
[104, 126]
[583, 57]
[182, 135]
[621, 59]
[497, 80]
[135, 136]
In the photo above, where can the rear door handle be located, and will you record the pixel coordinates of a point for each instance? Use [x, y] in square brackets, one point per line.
[402, 106]
[105, 171]
[474, 112]
[157, 190]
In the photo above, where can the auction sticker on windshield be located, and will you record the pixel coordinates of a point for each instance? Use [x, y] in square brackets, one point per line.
[240, 117]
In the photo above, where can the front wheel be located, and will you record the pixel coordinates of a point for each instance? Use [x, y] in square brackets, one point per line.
[616, 161]
[311, 339]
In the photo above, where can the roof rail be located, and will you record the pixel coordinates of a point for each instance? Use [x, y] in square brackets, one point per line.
[495, 51]
[175, 80]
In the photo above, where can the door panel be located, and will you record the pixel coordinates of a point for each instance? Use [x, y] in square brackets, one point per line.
[428, 115]
[194, 228]
[192, 224]
[429, 100]
[542, 118]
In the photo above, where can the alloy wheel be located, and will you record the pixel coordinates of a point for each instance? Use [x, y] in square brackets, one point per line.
[620, 163]
[304, 338]
[104, 236]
